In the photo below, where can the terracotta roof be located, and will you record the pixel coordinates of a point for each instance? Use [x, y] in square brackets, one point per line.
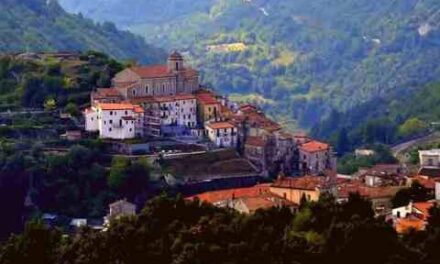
[403, 225]
[424, 207]
[264, 201]
[255, 141]
[106, 92]
[217, 196]
[371, 192]
[430, 172]
[160, 71]
[119, 106]
[428, 183]
[207, 98]
[220, 125]
[138, 109]
[314, 146]
[302, 183]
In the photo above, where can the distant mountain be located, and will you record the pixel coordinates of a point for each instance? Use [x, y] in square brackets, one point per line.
[302, 59]
[42, 25]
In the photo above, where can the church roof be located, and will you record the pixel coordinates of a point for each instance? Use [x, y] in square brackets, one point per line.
[160, 71]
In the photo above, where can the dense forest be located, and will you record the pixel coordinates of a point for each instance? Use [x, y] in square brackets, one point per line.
[172, 230]
[42, 25]
[299, 60]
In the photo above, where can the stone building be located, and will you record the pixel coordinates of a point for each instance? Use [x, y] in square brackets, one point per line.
[316, 157]
[157, 80]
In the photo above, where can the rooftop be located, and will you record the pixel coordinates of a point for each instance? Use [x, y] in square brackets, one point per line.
[430, 152]
[255, 141]
[217, 196]
[220, 125]
[302, 183]
[314, 146]
[207, 98]
[430, 172]
[160, 71]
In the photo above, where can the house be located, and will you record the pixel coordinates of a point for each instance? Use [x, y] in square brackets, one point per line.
[105, 95]
[222, 134]
[413, 216]
[209, 109]
[245, 200]
[316, 157]
[255, 152]
[157, 80]
[115, 120]
[173, 114]
[364, 152]
[296, 188]
[385, 175]
[380, 197]
[119, 209]
[430, 158]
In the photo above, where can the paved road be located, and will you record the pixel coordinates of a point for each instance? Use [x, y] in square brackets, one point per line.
[398, 149]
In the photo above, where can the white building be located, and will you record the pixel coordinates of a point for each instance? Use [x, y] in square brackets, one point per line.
[222, 134]
[169, 111]
[430, 158]
[115, 121]
[437, 190]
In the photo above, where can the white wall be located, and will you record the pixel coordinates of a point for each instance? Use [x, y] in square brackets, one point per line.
[92, 122]
[437, 191]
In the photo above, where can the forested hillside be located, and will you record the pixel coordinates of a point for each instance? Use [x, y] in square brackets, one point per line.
[302, 58]
[383, 120]
[42, 25]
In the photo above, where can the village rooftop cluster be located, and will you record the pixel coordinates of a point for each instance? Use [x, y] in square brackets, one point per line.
[167, 102]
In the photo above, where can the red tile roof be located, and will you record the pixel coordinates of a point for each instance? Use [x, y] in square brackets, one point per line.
[120, 106]
[424, 207]
[217, 196]
[206, 98]
[314, 146]
[107, 92]
[255, 141]
[345, 189]
[428, 183]
[220, 125]
[160, 71]
[403, 225]
[302, 183]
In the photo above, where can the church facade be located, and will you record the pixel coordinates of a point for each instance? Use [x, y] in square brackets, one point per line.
[157, 80]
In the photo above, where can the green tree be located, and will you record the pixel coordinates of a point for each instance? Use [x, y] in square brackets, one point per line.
[412, 126]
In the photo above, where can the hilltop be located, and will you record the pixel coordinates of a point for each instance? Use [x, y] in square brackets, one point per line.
[40, 25]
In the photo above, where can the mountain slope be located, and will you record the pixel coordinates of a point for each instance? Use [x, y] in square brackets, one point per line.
[307, 56]
[40, 25]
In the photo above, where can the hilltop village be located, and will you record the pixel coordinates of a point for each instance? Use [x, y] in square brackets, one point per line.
[153, 104]
[226, 153]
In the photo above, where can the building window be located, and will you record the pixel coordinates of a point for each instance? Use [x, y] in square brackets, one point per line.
[134, 92]
[111, 112]
[126, 112]
[110, 129]
[131, 129]
[111, 121]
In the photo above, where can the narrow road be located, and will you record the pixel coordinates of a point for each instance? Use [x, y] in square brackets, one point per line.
[400, 148]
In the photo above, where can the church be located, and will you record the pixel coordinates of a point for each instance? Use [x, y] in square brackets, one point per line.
[157, 80]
